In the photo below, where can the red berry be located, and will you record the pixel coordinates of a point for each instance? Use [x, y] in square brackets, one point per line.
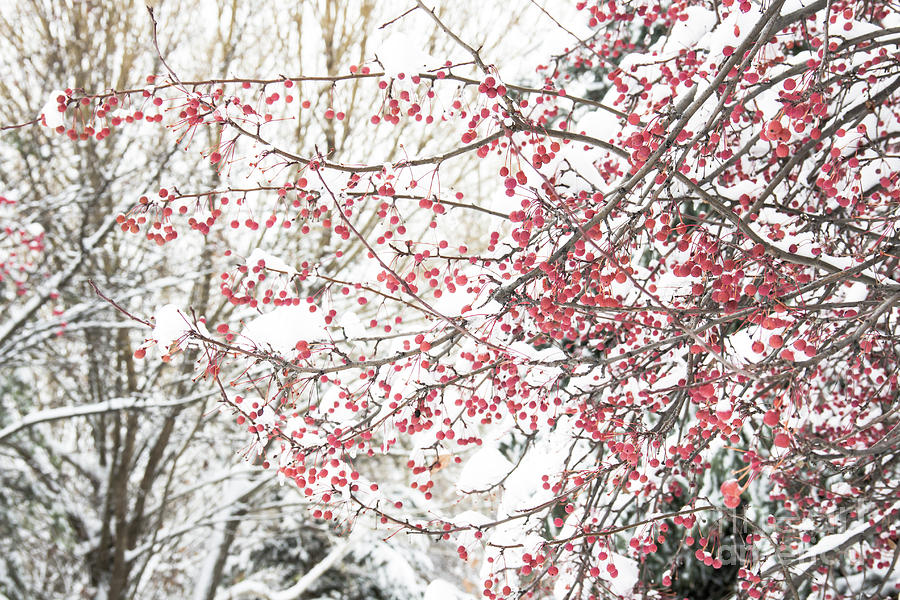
[782, 440]
[731, 487]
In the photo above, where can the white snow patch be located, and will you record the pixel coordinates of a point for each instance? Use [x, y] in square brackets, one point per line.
[34, 229]
[270, 261]
[485, 468]
[50, 112]
[627, 576]
[350, 324]
[856, 292]
[470, 518]
[440, 589]
[283, 327]
[742, 343]
[170, 325]
[830, 542]
[400, 53]
[687, 33]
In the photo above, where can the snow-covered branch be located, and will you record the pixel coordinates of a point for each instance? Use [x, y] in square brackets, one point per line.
[112, 405]
[254, 589]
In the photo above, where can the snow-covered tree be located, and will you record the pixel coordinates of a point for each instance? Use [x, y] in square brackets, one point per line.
[594, 295]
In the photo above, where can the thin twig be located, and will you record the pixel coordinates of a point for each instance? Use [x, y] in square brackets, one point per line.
[116, 305]
[156, 45]
[395, 19]
[20, 125]
[475, 55]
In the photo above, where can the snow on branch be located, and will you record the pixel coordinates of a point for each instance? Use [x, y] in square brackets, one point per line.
[112, 405]
[254, 589]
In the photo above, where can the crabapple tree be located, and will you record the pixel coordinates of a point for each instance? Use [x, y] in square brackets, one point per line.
[628, 311]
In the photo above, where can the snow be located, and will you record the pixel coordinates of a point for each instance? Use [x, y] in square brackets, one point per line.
[582, 164]
[627, 576]
[34, 229]
[724, 35]
[564, 583]
[469, 518]
[399, 53]
[522, 490]
[394, 572]
[114, 404]
[687, 33]
[50, 111]
[600, 124]
[451, 304]
[350, 325]
[509, 543]
[170, 325]
[855, 292]
[281, 328]
[485, 468]
[228, 110]
[742, 343]
[440, 589]
[724, 407]
[830, 542]
[270, 262]
[842, 488]
[805, 525]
